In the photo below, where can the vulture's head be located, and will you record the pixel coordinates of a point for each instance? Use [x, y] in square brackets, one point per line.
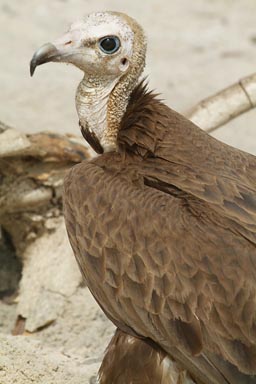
[109, 48]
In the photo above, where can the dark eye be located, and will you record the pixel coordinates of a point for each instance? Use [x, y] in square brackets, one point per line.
[109, 44]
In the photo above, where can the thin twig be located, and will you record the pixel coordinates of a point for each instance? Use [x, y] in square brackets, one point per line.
[219, 109]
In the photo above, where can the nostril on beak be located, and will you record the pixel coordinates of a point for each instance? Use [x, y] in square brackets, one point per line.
[68, 42]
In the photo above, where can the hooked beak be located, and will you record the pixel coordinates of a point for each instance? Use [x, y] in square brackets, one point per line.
[48, 52]
[61, 51]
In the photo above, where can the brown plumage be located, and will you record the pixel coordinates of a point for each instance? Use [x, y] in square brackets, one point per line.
[129, 359]
[162, 224]
[164, 232]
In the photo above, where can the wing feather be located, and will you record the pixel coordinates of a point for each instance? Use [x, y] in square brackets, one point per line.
[165, 235]
[157, 272]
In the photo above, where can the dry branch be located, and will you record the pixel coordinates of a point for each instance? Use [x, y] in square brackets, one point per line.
[219, 109]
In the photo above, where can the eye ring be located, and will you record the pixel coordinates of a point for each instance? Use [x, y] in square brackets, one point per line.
[109, 44]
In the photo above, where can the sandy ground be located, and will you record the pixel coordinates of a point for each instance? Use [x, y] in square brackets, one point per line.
[195, 48]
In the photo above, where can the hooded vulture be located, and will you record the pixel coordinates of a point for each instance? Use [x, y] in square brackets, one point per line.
[162, 223]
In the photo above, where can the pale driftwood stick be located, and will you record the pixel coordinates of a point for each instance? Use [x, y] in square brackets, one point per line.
[219, 109]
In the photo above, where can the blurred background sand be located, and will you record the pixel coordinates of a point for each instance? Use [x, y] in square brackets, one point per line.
[195, 48]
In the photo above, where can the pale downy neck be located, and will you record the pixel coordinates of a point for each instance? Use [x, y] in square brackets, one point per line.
[101, 106]
[92, 100]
